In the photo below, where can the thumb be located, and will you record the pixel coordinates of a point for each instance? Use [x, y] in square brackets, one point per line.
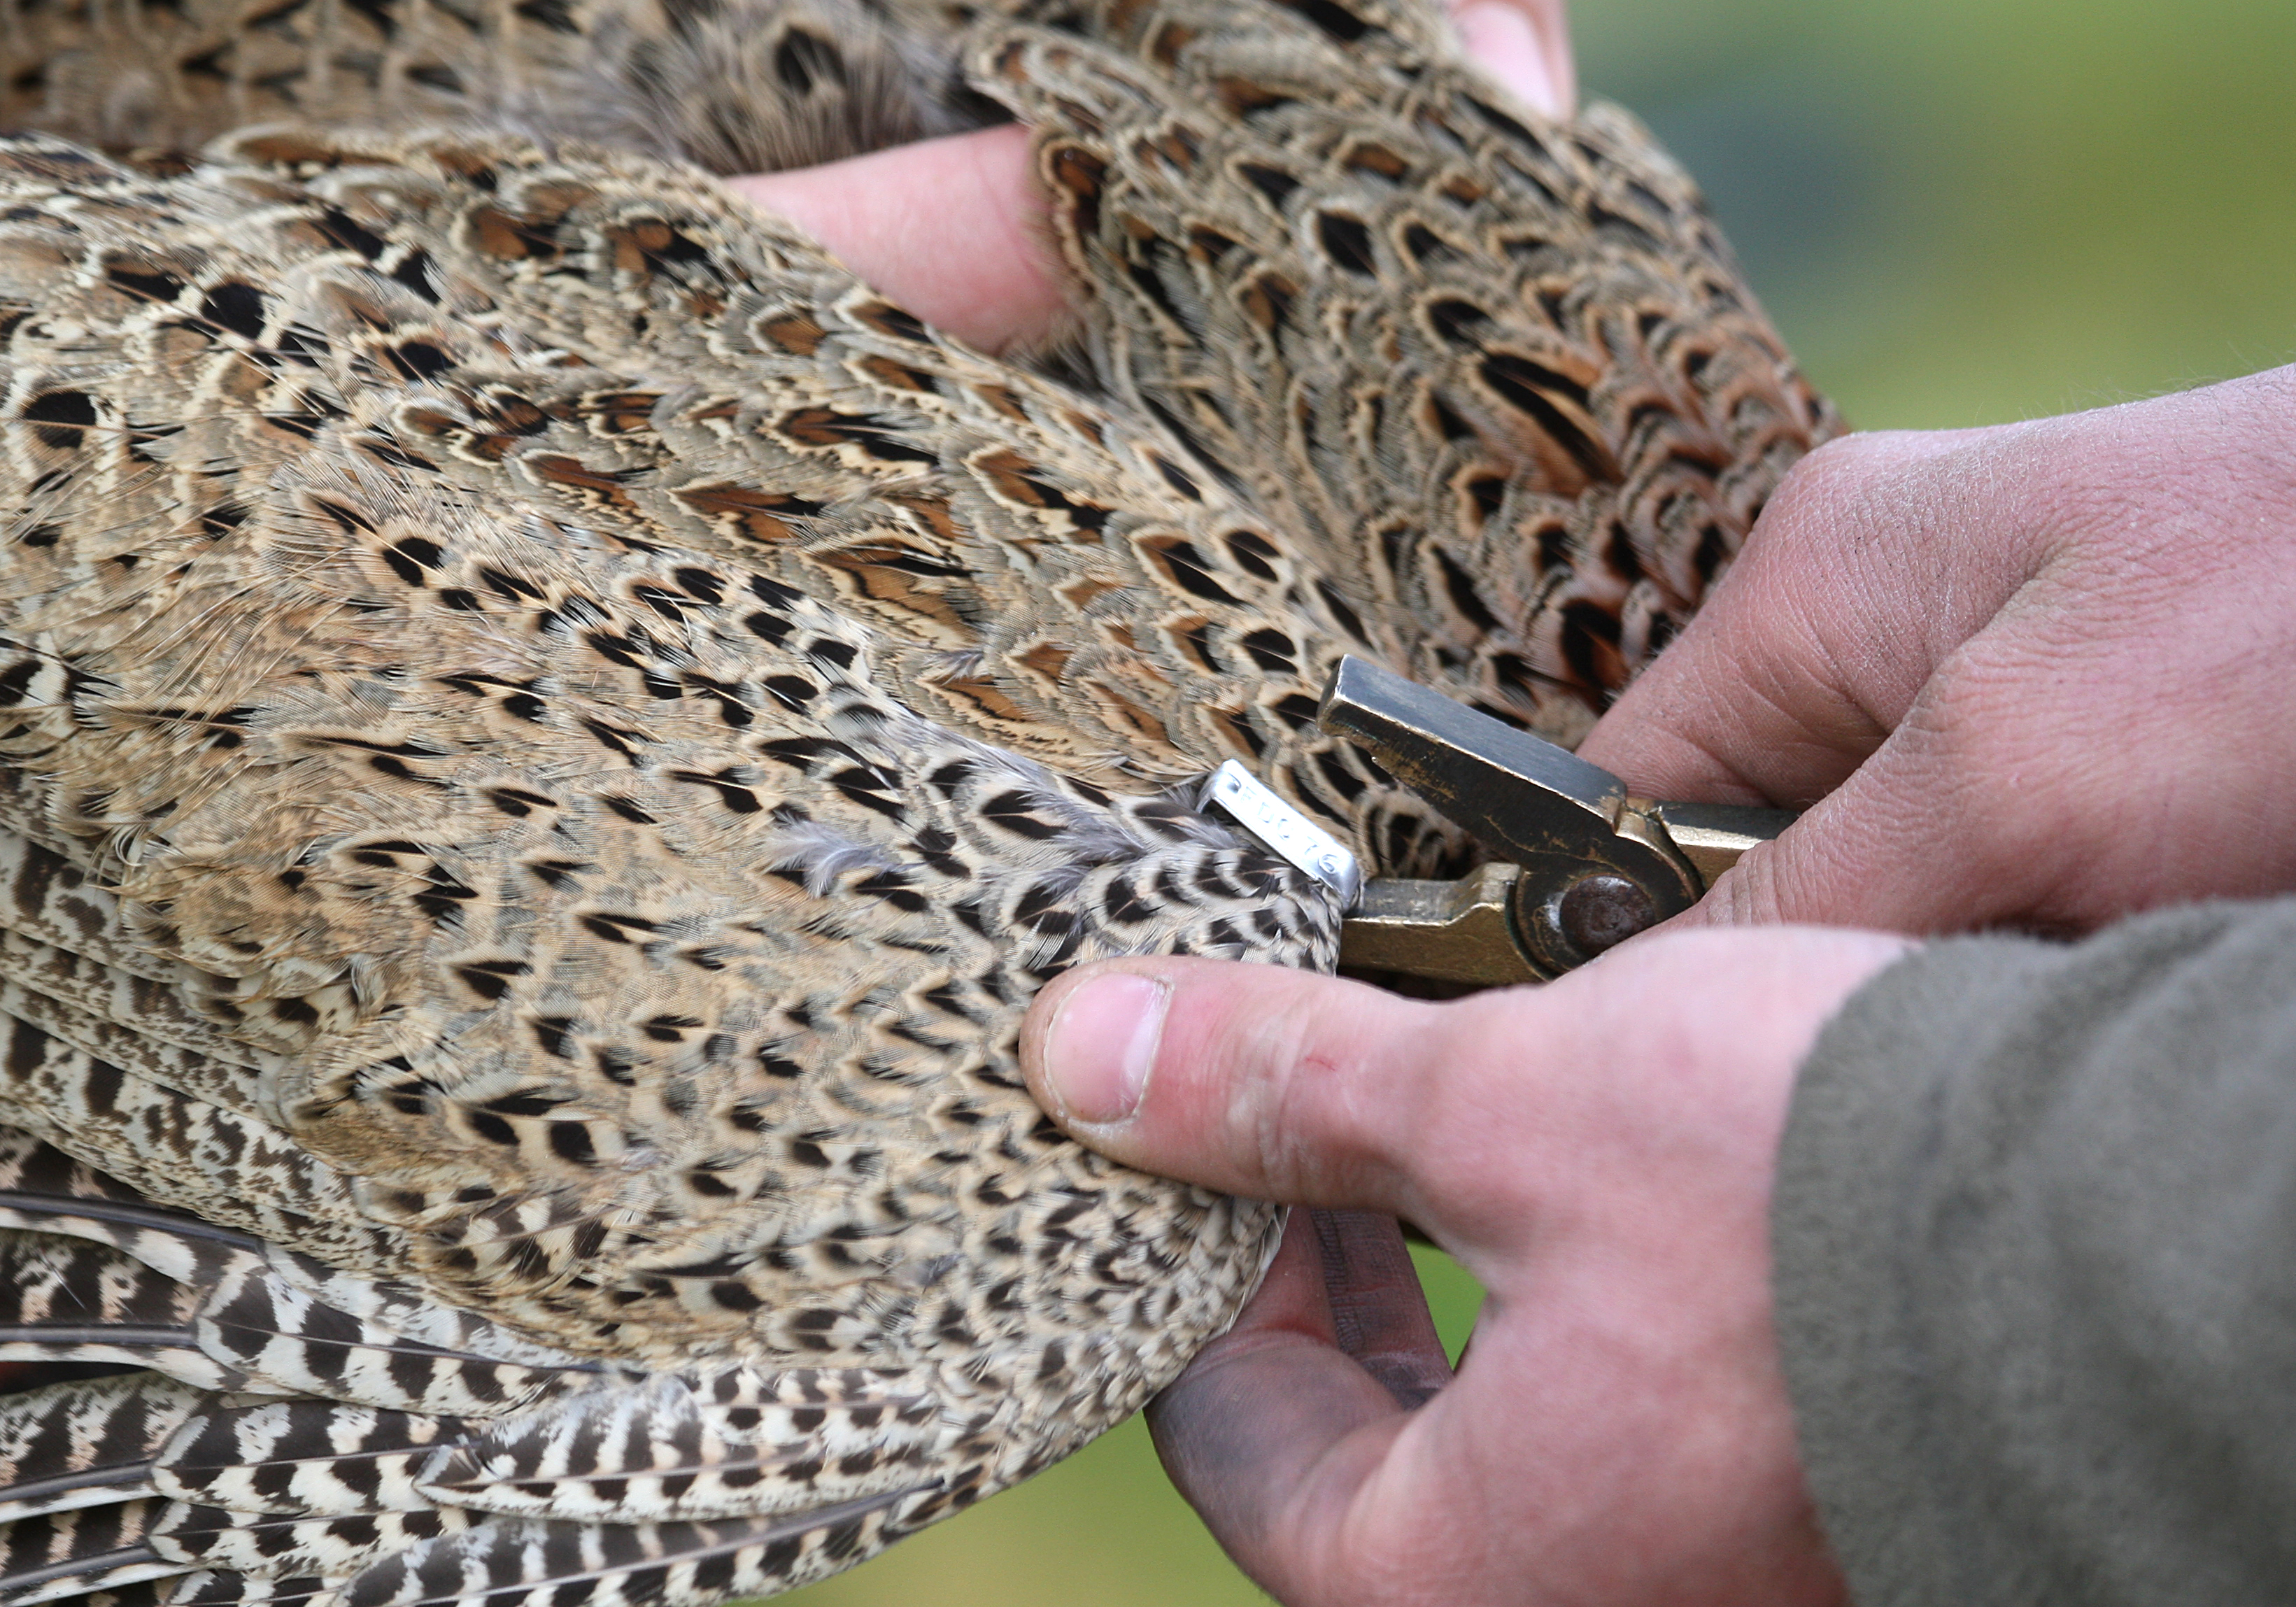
[1251, 1079]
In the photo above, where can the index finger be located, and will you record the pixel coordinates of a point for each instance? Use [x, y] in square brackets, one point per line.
[1274, 1426]
[1879, 555]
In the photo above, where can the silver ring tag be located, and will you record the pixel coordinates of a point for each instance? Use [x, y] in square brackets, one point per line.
[1239, 795]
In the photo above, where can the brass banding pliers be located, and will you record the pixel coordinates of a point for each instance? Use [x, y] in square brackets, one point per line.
[1580, 865]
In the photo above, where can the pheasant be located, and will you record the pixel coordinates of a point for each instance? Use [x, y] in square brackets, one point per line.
[551, 733]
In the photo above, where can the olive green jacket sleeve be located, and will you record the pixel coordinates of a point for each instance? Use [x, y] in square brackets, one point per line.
[2036, 1240]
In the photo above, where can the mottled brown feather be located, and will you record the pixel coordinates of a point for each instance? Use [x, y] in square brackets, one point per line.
[549, 732]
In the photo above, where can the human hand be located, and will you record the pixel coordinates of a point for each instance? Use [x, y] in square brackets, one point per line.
[2034, 674]
[958, 231]
[1597, 1151]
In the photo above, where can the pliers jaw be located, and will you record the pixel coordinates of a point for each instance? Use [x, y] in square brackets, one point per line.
[1581, 867]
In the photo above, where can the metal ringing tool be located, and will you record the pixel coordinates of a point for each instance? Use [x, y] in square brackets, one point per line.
[1585, 865]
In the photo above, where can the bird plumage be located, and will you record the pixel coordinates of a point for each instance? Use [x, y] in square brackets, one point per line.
[550, 733]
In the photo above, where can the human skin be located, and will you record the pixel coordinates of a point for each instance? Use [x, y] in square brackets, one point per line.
[2028, 675]
[2036, 675]
[2032, 676]
[2025, 675]
[1595, 1151]
[955, 229]
[958, 230]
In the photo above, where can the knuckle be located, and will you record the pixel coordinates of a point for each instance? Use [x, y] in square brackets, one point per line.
[1347, 1074]
[1274, 1128]
[1282, 1118]
[1833, 484]
[1978, 736]
[1746, 894]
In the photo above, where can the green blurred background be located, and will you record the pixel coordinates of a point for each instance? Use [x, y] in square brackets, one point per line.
[1960, 212]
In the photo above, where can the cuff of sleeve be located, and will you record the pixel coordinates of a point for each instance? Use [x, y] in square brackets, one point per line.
[1982, 1168]
[1864, 1122]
